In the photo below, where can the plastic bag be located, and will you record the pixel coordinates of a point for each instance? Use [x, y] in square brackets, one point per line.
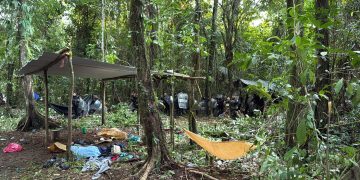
[12, 147]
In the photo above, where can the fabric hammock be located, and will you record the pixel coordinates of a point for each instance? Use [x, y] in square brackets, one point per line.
[228, 150]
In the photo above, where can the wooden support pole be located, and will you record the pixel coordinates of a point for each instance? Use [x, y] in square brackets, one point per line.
[137, 111]
[172, 123]
[191, 118]
[71, 92]
[103, 103]
[46, 108]
[327, 140]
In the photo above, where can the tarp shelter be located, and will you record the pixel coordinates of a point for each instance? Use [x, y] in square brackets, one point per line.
[83, 68]
[60, 64]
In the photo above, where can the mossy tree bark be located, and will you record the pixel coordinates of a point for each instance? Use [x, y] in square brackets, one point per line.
[323, 77]
[32, 119]
[149, 116]
[294, 107]
[212, 55]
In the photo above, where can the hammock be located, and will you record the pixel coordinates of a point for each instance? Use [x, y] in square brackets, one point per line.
[228, 150]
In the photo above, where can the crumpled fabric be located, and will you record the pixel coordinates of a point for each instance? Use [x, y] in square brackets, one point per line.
[12, 147]
[94, 163]
[85, 151]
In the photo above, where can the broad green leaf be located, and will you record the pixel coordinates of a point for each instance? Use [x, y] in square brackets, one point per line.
[339, 85]
[349, 90]
[289, 154]
[301, 133]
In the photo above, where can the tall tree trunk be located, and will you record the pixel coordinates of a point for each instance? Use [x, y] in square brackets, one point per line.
[9, 85]
[230, 18]
[149, 116]
[196, 65]
[153, 48]
[229, 56]
[323, 78]
[212, 54]
[294, 107]
[32, 119]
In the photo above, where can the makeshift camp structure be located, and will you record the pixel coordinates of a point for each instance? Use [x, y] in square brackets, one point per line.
[63, 64]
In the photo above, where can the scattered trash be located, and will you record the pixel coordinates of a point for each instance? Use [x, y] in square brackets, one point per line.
[103, 140]
[2, 139]
[82, 142]
[115, 157]
[112, 133]
[22, 140]
[94, 163]
[57, 147]
[83, 130]
[125, 156]
[116, 149]
[105, 150]
[12, 147]
[85, 151]
[49, 162]
[134, 138]
[58, 162]
[121, 145]
[190, 165]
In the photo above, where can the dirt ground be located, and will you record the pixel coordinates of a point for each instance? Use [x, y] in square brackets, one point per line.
[28, 163]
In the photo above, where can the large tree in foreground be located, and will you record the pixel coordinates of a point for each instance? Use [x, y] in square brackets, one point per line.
[32, 119]
[149, 116]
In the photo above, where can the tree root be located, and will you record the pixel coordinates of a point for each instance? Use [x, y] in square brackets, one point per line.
[35, 121]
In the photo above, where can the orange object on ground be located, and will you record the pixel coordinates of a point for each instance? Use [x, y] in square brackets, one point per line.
[112, 133]
[57, 147]
[228, 150]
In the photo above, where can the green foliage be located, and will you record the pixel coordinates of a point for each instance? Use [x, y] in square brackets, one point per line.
[9, 123]
[121, 115]
[339, 85]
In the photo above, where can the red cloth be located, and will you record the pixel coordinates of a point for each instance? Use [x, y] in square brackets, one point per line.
[115, 157]
[12, 147]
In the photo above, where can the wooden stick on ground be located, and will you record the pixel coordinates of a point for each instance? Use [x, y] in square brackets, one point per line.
[203, 174]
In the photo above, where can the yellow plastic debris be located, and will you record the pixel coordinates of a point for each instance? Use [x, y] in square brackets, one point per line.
[228, 150]
[57, 147]
[112, 133]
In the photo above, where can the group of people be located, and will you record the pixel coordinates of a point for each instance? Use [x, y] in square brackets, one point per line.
[218, 105]
[221, 105]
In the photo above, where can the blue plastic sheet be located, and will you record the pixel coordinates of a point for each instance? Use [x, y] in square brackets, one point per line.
[85, 151]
